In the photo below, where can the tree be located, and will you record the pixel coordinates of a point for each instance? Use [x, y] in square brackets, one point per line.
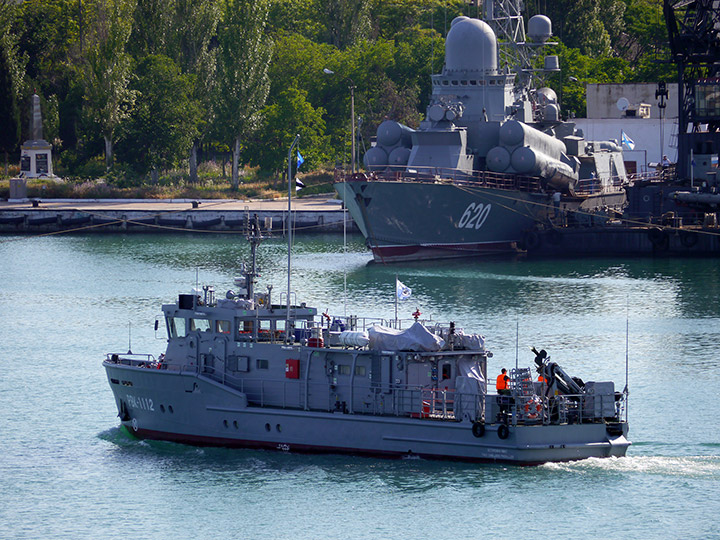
[12, 66]
[343, 22]
[191, 45]
[164, 121]
[291, 114]
[242, 72]
[107, 69]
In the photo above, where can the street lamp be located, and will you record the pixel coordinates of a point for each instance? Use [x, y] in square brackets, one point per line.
[327, 71]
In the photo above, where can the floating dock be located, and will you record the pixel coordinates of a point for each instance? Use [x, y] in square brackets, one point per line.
[309, 215]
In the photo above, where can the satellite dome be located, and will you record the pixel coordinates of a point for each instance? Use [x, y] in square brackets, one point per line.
[539, 28]
[470, 46]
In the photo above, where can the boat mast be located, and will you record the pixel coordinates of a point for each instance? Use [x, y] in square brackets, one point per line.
[289, 230]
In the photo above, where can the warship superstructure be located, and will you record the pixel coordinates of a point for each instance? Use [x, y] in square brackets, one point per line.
[247, 371]
[485, 165]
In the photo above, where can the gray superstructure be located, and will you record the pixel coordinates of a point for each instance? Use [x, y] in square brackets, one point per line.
[247, 371]
[487, 136]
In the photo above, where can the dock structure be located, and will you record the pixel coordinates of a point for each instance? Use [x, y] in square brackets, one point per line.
[624, 240]
[309, 215]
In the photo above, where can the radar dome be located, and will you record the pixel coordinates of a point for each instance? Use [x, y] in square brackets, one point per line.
[539, 28]
[470, 46]
[546, 95]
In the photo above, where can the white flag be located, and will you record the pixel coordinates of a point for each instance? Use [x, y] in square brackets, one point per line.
[403, 291]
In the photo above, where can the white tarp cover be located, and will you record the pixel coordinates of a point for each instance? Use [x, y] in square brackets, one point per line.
[416, 338]
[470, 387]
[475, 342]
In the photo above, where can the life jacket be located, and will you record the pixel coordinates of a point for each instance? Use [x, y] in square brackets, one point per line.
[542, 379]
[501, 383]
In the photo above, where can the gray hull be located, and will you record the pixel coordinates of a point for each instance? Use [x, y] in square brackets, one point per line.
[404, 220]
[193, 409]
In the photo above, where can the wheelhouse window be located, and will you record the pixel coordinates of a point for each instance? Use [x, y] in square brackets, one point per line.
[222, 327]
[202, 325]
[261, 363]
[177, 327]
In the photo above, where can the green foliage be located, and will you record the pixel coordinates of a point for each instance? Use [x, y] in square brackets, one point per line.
[107, 68]
[291, 114]
[161, 127]
[247, 75]
[12, 67]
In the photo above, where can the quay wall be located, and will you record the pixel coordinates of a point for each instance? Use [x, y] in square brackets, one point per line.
[129, 216]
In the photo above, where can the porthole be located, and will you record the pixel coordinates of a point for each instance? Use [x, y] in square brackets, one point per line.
[267, 427]
[235, 424]
[162, 408]
[170, 409]
[279, 429]
[225, 423]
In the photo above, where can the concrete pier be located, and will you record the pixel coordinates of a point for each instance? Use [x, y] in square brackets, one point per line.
[312, 214]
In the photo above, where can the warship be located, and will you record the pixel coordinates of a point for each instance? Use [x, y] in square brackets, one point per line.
[246, 371]
[491, 160]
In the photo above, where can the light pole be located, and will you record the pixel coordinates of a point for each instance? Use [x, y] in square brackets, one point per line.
[352, 87]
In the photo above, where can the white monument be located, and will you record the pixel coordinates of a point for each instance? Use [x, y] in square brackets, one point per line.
[36, 153]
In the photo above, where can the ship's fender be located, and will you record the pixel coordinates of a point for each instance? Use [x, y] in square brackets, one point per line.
[531, 240]
[503, 431]
[688, 238]
[659, 238]
[478, 429]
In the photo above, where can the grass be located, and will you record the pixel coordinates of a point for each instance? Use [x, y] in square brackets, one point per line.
[171, 185]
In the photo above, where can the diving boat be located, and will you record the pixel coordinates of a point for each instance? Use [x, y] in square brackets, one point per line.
[245, 371]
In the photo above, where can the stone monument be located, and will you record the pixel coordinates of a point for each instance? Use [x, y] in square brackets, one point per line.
[36, 153]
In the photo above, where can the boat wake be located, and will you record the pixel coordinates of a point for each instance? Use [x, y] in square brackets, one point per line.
[683, 466]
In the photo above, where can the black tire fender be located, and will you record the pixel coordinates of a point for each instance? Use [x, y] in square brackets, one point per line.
[531, 240]
[688, 238]
[503, 431]
[478, 429]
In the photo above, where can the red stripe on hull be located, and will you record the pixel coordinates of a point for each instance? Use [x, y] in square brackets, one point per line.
[445, 251]
[200, 440]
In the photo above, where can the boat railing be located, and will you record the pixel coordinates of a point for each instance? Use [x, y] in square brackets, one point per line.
[475, 178]
[134, 360]
[361, 324]
[395, 400]
[586, 187]
[561, 409]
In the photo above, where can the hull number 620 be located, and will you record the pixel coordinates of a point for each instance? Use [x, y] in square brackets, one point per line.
[474, 216]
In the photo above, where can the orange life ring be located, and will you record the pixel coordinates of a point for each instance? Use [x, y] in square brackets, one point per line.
[532, 409]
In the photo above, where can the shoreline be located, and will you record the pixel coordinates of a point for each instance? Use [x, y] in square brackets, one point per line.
[309, 214]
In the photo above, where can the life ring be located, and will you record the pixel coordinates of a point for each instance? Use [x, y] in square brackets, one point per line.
[659, 238]
[478, 429]
[688, 238]
[503, 431]
[532, 409]
[531, 240]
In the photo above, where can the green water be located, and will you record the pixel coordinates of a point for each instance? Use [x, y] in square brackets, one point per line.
[68, 471]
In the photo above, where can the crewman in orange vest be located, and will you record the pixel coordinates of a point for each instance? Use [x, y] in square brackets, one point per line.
[542, 379]
[502, 383]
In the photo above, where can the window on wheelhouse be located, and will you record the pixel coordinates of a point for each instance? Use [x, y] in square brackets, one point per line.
[202, 325]
[177, 327]
[222, 327]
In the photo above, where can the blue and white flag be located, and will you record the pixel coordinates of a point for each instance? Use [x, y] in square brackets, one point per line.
[299, 184]
[627, 141]
[300, 160]
[403, 291]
